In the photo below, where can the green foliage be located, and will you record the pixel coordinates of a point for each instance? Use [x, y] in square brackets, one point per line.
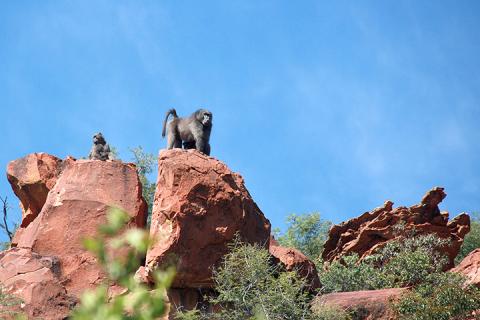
[348, 274]
[145, 163]
[250, 286]
[410, 260]
[329, 312]
[400, 263]
[472, 239]
[189, 315]
[139, 302]
[441, 297]
[307, 233]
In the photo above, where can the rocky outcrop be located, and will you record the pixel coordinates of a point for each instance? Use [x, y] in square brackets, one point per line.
[36, 280]
[75, 207]
[199, 206]
[294, 260]
[31, 178]
[470, 268]
[370, 231]
[368, 304]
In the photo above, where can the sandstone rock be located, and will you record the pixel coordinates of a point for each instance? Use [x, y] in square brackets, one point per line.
[35, 280]
[199, 207]
[470, 268]
[74, 209]
[294, 260]
[368, 304]
[31, 178]
[368, 232]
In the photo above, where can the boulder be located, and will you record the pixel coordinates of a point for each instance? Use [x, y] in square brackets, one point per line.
[199, 207]
[35, 280]
[75, 207]
[470, 268]
[370, 231]
[294, 260]
[367, 304]
[31, 178]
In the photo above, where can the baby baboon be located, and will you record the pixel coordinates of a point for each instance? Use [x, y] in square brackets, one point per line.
[193, 131]
[100, 149]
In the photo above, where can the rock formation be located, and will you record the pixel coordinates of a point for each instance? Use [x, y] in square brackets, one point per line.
[367, 304]
[470, 268]
[199, 207]
[64, 202]
[294, 260]
[368, 232]
[37, 280]
[31, 178]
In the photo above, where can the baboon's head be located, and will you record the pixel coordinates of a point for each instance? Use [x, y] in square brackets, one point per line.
[98, 138]
[205, 117]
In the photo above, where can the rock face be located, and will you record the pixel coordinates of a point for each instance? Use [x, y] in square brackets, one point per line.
[470, 268]
[293, 260]
[75, 207]
[199, 206]
[36, 281]
[368, 304]
[31, 178]
[368, 232]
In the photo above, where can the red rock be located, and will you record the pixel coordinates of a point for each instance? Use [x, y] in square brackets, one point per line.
[365, 234]
[199, 207]
[75, 207]
[369, 304]
[470, 268]
[31, 178]
[294, 260]
[35, 279]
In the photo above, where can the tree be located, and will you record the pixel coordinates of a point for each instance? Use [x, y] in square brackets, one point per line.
[307, 233]
[4, 224]
[145, 163]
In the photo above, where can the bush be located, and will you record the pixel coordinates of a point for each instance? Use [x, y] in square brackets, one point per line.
[441, 297]
[138, 302]
[250, 286]
[400, 263]
[348, 274]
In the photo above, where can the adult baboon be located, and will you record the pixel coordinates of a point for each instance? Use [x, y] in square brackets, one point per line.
[193, 131]
[100, 149]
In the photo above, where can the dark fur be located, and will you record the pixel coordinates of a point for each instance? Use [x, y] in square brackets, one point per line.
[193, 131]
[100, 149]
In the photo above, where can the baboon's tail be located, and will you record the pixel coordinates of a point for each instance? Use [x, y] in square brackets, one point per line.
[172, 112]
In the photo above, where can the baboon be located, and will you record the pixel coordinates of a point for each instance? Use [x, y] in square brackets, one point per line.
[100, 149]
[193, 131]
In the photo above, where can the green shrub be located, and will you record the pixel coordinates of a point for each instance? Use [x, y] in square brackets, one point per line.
[441, 297]
[250, 286]
[138, 302]
[348, 274]
[400, 263]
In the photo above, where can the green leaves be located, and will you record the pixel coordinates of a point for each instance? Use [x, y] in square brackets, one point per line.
[120, 253]
[306, 233]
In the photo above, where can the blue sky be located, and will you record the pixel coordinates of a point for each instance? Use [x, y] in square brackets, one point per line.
[329, 106]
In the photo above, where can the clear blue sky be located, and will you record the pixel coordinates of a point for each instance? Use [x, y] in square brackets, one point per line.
[329, 106]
